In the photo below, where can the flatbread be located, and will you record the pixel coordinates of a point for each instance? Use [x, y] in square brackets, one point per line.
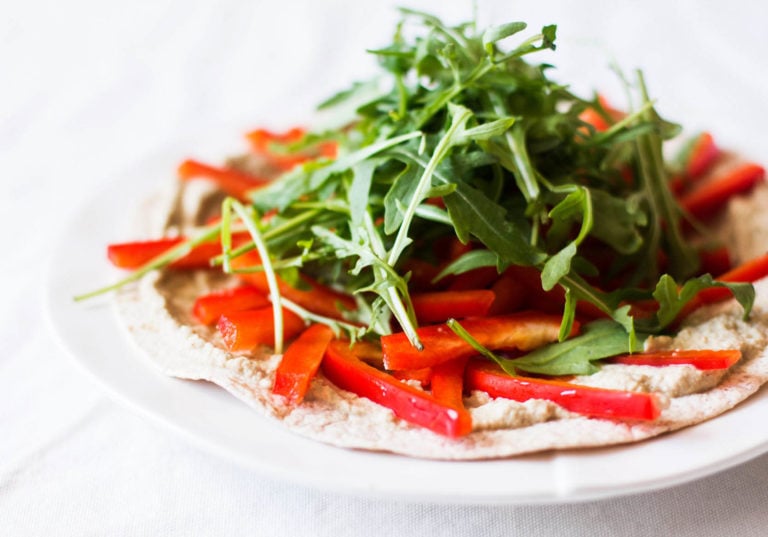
[156, 313]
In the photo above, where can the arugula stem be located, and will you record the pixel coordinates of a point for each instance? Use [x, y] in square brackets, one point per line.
[425, 182]
[402, 312]
[177, 252]
[683, 257]
[270, 234]
[460, 331]
[274, 291]
[525, 175]
[334, 324]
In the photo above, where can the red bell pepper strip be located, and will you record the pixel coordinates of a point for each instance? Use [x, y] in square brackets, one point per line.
[233, 182]
[706, 199]
[423, 376]
[509, 295]
[440, 306]
[592, 117]
[700, 359]
[316, 298]
[596, 119]
[749, 272]
[208, 308]
[701, 157]
[421, 274]
[447, 382]
[246, 330]
[343, 368]
[522, 331]
[551, 301]
[478, 278]
[589, 401]
[300, 363]
[261, 138]
[133, 255]
[715, 261]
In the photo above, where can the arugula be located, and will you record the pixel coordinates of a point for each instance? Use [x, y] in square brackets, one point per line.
[462, 136]
[468, 120]
[598, 340]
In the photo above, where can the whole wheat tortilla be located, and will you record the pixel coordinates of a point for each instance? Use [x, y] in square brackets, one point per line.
[158, 319]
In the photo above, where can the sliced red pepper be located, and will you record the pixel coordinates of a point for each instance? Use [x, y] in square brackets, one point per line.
[246, 330]
[233, 182]
[478, 278]
[700, 359]
[208, 308]
[447, 382]
[509, 295]
[423, 376]
[133, 255]
[749, 272]
[551, 301]
[522, 331]
[421, 274]
[715, 261]
[589, 401]
[706, 199]
[440, 306]
[343, 368]
[261, 138]
[596, 119]
[701, 157]
[300, 363]
[316, 298]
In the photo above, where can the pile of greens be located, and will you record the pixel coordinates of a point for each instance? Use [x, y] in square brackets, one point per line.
[462, 136]
[462, 117]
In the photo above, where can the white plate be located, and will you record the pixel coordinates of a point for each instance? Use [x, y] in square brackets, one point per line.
[213, 419]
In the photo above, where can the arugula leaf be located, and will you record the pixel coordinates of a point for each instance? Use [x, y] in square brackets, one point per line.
[575, 356]
[497, 33]
[672, 298]
[469, 261]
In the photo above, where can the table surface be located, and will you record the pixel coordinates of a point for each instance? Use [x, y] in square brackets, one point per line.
[90, 88]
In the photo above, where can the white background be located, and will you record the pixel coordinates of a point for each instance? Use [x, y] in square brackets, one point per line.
[87, 88]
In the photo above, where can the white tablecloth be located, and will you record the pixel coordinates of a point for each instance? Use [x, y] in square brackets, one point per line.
[87, 88]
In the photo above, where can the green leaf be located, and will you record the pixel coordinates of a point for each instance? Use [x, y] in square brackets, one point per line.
[310, 179]
[672, 298]
[557, 266]
[474, 214]
[471, 260]
[359, 190]
[575, 356]
[618, 222]
[497, 33]
[402, 188]
[488, 130]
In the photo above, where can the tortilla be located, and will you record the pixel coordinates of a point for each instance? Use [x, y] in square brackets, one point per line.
[156, 311]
